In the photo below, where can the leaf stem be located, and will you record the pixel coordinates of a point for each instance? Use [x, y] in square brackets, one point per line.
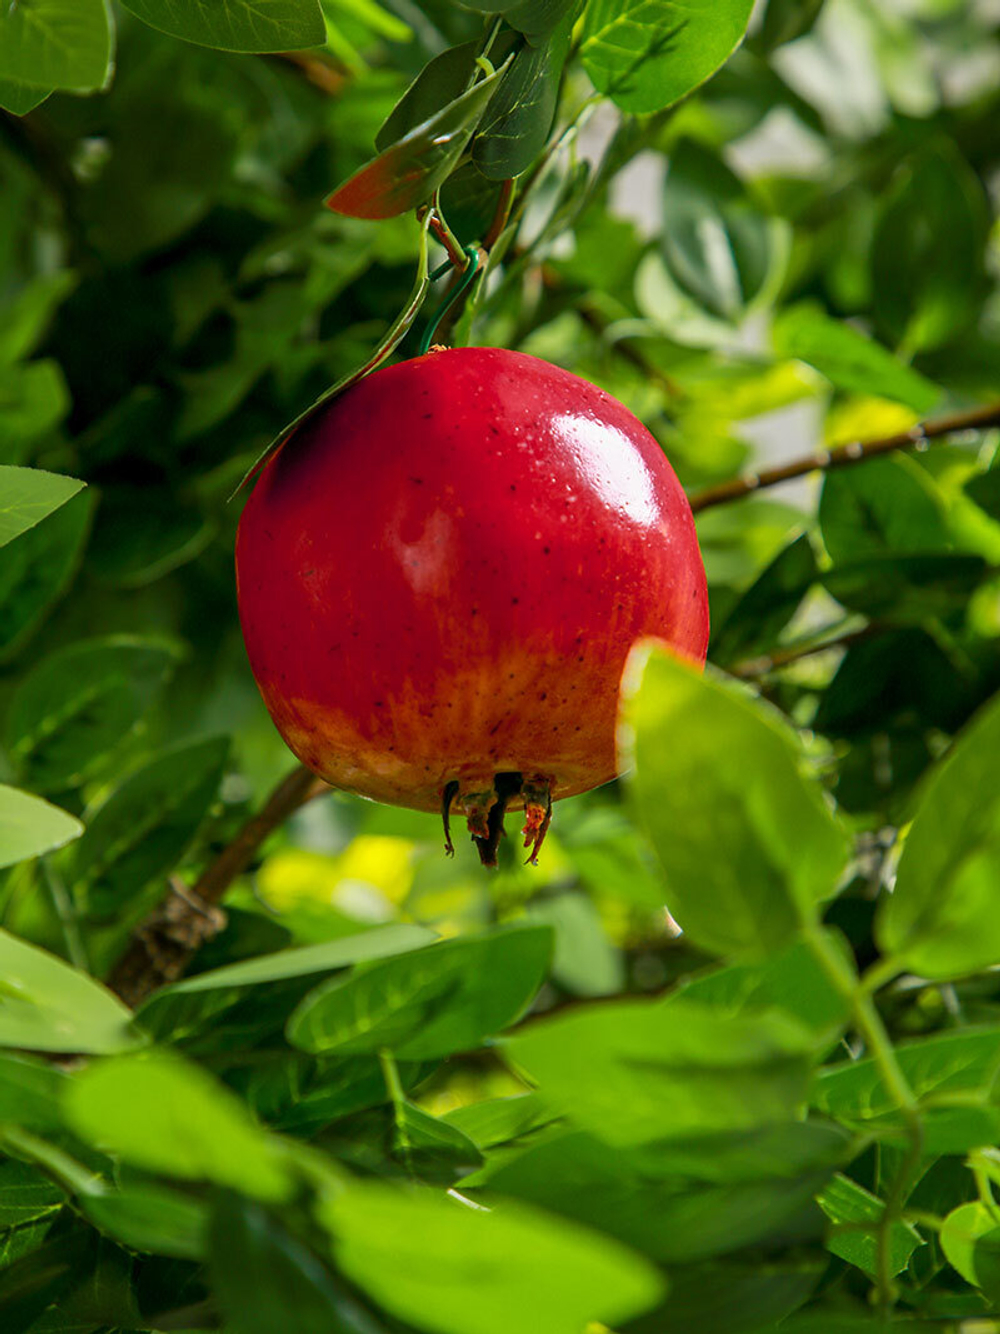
[66, 912]
[868, 1023]
[394, 1088]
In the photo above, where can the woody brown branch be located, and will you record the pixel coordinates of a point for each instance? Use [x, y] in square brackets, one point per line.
[825, 460]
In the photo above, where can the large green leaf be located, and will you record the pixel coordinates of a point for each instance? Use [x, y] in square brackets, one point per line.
[450, 1268]
[855, 1213]
[25, 1194]
[36, 568]
[438, 84]
[517, 123]
[20, 98]
[30, 1092]
[34, 399]
[262, 1273]
[647, 54]
[970, 1238]
[409, 171]
[142, 829]
[638, 1071]
[78, 704]
[431, 1003]
[927, 251]
[201, 1002]
[940, 919]
[165, 1115]
[890, 505]
[237, 25]
[57, 43]
[718, 247]
[27, 495]
[849, 359]
[747, 840]
[45, 1005]
[768, 605]
[535, 18]
[964, 1062]
[146, 1216]
[30, 826]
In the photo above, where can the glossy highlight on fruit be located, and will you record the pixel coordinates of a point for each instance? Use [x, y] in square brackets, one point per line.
[440, 576]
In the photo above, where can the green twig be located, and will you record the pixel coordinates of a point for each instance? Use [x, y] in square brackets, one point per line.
[394, 1088]
[868, 1023]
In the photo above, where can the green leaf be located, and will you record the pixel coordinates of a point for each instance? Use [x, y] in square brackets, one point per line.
[34, 398]
[715, 243]
[849, 359]
[585, 961]
[516, 126]
[45, 1005]
[430, 1003]
[29, 1093]
[784, 20]
[449, 1268]
[970, 1238]
[888, 505]
[57, 44]
[683, 1201]
[906, 588]
[25, 1194]
[34, 1281]
[20, 98]
[177, 1011]
[961, 1062]
[79, 704]
[145, 1216]
[767, 606]
[165, 1115]
[733, 1297]
[143, 828]
[635, 1071]
[439, 83]
[940, 920]
[747, 841]
[28, 495]
[437, 1151]
[500, 1120]
[927, 251]
[28, 314]
[237, 25]
[30, 826]
[984, 489]
[790, 980]
[409, 171]
[36, 568]
[535, 18]
[139, 538]
[855, 1214]
[261, 1274]
[647, 54]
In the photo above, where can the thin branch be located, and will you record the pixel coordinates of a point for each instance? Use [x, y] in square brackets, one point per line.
[824, 460]
[163, 945]
[622, 347]
[753, 667]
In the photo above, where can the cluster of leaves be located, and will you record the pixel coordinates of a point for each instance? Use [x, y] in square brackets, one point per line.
[340, 1120]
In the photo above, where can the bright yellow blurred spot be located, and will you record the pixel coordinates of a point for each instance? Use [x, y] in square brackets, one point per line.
[368, 880]
[865, 419]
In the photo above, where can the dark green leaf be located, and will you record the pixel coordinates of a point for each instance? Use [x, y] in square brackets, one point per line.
[25, 1194]
[716, 245]
[855, 1214]
[849, 359]
[33, 400]
[747, 841]
[889, 505]
[784, 20]
[30, 1092]
[142, 829]
[36, 568]
[940, 919]
[57, 43]
[733, 1298]
[768, 605]
[187, 1007]
[437, 1001]
[516, 126]
[647, 54]
[78, 704]
[439, 83]
[927, 252]
[29, 313]
[237, 25]
[984, 489]
[37, 1279]
[145, 1216]
[262, 1274]
[906, 588]
[535, 18]
[409, 171]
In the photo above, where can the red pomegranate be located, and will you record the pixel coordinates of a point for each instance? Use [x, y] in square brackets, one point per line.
[440, 576]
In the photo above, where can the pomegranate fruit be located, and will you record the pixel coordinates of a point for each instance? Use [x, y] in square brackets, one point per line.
[440, 576]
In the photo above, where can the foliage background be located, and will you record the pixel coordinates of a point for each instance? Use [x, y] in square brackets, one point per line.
[815, 262]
